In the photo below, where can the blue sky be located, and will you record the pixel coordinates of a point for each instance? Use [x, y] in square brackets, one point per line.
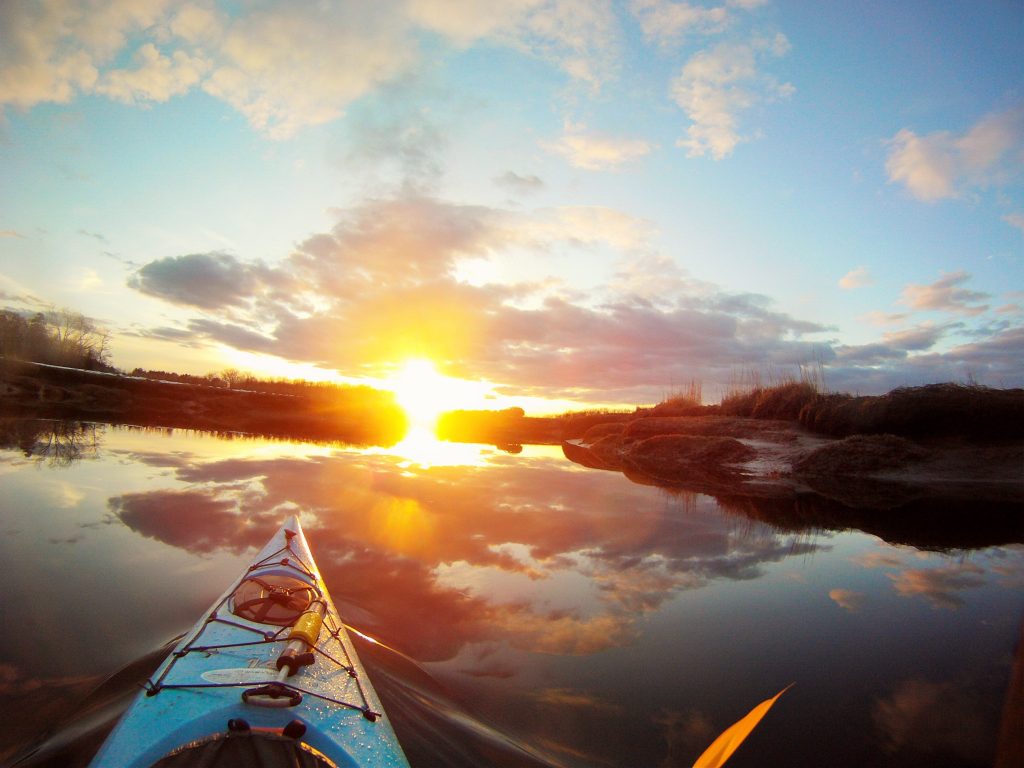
[582, 201]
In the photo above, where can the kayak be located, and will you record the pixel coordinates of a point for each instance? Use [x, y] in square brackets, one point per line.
[266, 677]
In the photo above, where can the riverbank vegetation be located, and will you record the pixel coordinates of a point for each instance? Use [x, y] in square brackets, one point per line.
[299, 411]
[58, 337]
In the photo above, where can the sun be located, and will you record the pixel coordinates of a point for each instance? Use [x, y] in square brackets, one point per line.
[424, 393]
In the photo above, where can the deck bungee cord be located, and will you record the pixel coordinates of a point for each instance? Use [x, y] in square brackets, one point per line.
[268, 667]
[301, 650]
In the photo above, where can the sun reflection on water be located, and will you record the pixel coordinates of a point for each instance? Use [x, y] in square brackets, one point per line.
[422, 448]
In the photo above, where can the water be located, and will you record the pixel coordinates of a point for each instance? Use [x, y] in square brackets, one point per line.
[541, 613]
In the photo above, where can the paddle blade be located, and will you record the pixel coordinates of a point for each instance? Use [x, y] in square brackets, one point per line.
[721, 749]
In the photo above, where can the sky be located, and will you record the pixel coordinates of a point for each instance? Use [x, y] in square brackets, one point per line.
[566, 201]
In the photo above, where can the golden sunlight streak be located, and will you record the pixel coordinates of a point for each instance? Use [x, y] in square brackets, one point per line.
[271, 366]
[402, 525]
[424, 393]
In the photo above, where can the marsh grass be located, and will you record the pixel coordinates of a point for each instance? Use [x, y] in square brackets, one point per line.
[773, 394]
[949, 409]
[682, 401]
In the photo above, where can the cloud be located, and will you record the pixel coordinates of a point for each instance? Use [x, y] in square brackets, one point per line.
[878, 560]
[945, 295]
[856, 278]
[939, 586]
[400, 134]
[717, 85]
[848, 599]
[655, 277]
[944, 165]
[155, 78]
[665, 22]
[196, 24]
[579, 36]
[1000, 355]
[945, 720]
[49, 52]
[884, 318]
[597, 153]
[180, 517]
[520, 185]
[869, 354]
[915, 339]
[231, 334]
[422, 550]
[12, 290]
[1015, 220]
[381, 285]
[384, 284]
[11, 233]
[287, 67]
[282, 66]
[203, 280]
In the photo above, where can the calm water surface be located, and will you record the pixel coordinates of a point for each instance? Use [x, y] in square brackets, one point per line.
[541, 613]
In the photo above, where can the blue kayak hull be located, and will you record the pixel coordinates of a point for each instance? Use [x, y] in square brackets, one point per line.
[198, 691]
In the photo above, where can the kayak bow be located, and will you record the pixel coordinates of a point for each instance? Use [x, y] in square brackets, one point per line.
[268, 676]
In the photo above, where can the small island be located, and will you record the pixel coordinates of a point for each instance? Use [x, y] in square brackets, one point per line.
[936, 466]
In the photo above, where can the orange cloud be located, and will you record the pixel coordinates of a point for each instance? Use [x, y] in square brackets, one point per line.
[373, 519]
[939, 586]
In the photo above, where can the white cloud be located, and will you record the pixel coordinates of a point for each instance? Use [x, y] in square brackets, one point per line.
[287, 67]
[155, 78]
[597, 153]
[585, 225]
[283, 66]
[856, 278]
[53, 51]
[665, 21]
[466, 21]
[580, 36]
[717, 85]
[943, 165]
[196, 23]
[656, 277]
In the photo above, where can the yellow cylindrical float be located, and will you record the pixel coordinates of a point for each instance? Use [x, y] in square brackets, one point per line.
[298, 651]
[307, 628]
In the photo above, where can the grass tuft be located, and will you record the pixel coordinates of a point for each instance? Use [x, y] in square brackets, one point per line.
[784, 397]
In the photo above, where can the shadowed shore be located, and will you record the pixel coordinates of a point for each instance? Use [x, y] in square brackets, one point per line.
[353, 415]
[937, 466]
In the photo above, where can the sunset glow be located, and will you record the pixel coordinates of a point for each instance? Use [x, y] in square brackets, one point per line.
[556, 201]
[425, 394]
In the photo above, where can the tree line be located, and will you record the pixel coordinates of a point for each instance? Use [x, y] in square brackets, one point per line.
[67, 338]
[58, 337]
